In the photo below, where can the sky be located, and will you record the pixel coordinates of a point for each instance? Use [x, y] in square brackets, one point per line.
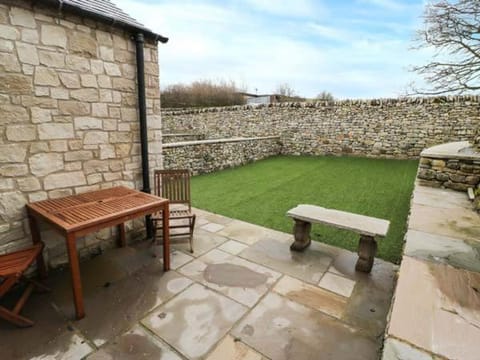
[355, 49]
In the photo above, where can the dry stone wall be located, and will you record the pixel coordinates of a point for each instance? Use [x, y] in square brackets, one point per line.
[456, 174]
[399, 128]
[212, 155]
[68, 118]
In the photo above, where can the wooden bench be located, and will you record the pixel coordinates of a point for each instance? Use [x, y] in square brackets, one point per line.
[368, 227]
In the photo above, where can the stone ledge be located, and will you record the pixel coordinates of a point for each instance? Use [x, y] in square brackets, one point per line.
[218, 141]
[461, 150]
[180, 134]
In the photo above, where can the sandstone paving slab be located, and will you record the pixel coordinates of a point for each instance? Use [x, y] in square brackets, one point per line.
[282, 329]
[437, 308]
[233, 247]
[434, 197]
[117, 305]
[239, 279]
[177, 258]
[459, 253]
[308, 266]
[135, 344]
[212, 217]
[249, 233]
[398, 350]
[461, 223]
[212, 227]
[337, 284]
[50, 338]
[230, 348]
[199, 221]
[370, 300]
[203, 241]
[312, 296]
[195, 320]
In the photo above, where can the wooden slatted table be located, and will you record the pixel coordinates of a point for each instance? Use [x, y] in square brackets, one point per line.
[78, 215]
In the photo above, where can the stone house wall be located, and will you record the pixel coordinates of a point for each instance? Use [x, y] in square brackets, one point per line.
[68, 115]
[399, 128]
[212, 155]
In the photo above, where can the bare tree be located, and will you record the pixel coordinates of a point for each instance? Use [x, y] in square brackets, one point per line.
[325, 95]
[453, 30]
[202, 93]
[285, 90]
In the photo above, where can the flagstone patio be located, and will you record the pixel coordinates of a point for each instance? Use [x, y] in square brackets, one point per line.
[241, 295]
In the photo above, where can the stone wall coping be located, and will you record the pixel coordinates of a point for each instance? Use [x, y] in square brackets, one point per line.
[464, 100]
[180, 134]
[454, 150]
[218, 141]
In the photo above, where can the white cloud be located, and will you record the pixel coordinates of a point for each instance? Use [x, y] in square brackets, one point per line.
[231, 43]
[299, 8]
[387, 4]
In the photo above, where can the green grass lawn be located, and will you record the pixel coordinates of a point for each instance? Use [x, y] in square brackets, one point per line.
[262, 192]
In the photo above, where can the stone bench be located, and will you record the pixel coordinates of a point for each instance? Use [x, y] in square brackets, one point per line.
[368, 227]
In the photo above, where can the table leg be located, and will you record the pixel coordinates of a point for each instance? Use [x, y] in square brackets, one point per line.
[75, 273]
[122, 242]
[42, 269]
[166, 237]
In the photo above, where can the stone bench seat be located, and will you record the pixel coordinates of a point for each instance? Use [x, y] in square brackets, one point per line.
[369, 228]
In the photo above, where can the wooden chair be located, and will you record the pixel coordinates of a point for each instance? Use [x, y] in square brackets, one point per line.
[12, 267]
[175, 186]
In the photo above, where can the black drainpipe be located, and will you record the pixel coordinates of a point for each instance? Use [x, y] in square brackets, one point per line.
[142, 114]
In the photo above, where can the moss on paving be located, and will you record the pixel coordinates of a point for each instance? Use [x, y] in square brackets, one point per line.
[262, 192]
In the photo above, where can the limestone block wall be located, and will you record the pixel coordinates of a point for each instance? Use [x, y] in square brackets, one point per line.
[399, 128]
[206, 156]
[68, 115]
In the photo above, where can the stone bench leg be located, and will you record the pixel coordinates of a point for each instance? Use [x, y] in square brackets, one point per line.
[301, 233]
[367, 248]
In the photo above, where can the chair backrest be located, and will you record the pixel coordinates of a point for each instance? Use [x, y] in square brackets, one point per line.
[173, 185]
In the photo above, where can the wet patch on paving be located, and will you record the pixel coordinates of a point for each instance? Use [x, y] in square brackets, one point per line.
[283, 329]
[238, 298]
[308, 266]
[233, 275]
[135, 344]
[195, 320]
[237, 278]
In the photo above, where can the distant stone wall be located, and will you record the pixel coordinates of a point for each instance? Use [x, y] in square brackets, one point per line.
[399, 128]
[212, 155]
[68, 115]
[172, 138]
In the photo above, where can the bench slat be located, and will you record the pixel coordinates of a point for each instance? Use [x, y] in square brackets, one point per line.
[361, 224]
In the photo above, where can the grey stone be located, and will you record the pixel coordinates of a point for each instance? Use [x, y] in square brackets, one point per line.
[45, 76]
[62, 180]
[22, 17]
[50, 131]
[45, 163]
[53, 35]
[27, 54]
[12, 153]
